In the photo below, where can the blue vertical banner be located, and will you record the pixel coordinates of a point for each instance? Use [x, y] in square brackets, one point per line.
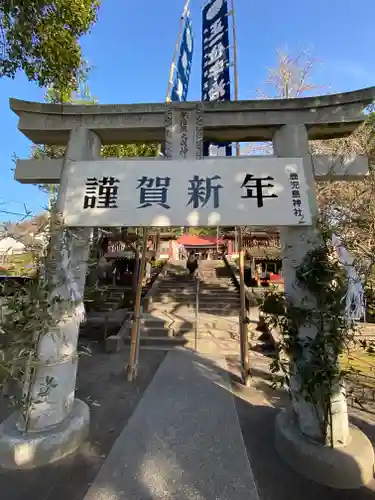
[180, 87]
[215, 63]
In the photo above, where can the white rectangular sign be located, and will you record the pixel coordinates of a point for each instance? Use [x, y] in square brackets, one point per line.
[258, 191]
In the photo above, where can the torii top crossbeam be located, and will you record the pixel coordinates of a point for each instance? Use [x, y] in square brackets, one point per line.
[325, 117]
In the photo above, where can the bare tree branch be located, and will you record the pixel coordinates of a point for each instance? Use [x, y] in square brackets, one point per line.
[290, 77]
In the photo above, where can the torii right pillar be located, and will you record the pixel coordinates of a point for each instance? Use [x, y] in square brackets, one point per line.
[349, 464]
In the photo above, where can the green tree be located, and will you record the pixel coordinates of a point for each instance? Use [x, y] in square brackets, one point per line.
[202, 231]
[62, 95]
[41, 38]
[129, 150]
[348, 207]
[83, 96]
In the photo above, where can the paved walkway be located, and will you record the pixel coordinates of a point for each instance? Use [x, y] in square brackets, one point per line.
[184, 440]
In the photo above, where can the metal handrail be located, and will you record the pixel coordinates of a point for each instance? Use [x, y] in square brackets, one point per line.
[197, 291]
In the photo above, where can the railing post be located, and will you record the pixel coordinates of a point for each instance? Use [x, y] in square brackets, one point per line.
[244, 339]
[197, 290]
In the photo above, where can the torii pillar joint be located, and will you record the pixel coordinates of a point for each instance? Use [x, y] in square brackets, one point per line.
[57, 423]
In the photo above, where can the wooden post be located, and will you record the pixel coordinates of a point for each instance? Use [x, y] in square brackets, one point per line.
[135, 270]
[132, 367]
[235, 66]
[244, 339]
[157, 243]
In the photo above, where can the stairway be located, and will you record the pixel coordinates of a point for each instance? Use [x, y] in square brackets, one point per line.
[218, 295]
[161, 327]
[120, 295]
[110, 314]
[170, 320]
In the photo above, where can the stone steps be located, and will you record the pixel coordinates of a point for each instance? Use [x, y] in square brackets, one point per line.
[158, 324]
[166, 287]
[202, 300]
[220, 291]
[204, 318]
[159, 332]
[187, 295]
[165, 343]
[172, 301]
[220, 296]
[170, 318]
[218, 307]
[188, 340]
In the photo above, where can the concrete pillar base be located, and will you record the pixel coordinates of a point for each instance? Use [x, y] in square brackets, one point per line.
[34, 449]
[347, 467]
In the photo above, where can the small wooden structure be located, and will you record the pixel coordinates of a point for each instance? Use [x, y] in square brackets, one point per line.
[262, 254]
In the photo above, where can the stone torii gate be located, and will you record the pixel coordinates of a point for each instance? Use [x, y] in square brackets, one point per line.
[60, 426]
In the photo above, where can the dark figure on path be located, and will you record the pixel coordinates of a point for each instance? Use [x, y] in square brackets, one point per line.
[192, 263]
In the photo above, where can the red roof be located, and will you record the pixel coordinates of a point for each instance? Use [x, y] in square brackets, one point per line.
[193, 240]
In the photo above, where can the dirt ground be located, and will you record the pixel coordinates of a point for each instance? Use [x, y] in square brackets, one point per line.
[101, 382]
[257, 407]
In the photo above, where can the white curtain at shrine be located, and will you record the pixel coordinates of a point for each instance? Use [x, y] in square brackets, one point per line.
[355, 302]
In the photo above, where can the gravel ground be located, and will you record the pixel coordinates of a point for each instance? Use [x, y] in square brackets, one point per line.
[101, 382]
[257, 407]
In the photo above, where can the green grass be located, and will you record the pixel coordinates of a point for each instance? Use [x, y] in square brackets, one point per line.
[18, 265]
[361, 363]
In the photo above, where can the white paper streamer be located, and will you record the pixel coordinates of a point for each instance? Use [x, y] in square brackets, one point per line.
[73, 289]
[354, 308]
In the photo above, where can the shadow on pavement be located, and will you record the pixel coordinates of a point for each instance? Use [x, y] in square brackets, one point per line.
[274, 479]
[103, 384]
[257, 407]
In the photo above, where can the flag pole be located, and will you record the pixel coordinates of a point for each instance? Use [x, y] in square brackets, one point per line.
[235, 74]
[175, 53]
[244, 334]
[235, 66]
[173, 65]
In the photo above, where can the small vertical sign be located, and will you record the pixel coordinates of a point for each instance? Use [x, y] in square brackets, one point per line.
[215, 63]
[180, 87]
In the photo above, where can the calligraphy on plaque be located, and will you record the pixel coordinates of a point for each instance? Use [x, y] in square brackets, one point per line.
[296, 197]
[262, 192]
[153, 190]
[201, 190]
[258, 188]
[101, 193]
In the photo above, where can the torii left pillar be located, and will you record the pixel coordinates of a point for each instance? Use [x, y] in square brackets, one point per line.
[57, 423]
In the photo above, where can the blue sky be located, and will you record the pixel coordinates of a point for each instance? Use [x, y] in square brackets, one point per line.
[132, 44]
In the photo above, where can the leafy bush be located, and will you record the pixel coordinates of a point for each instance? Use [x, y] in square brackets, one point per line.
[159, 263]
